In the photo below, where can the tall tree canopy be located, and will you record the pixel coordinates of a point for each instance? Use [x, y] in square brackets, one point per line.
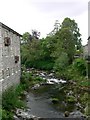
[61, 41]
[73, 27]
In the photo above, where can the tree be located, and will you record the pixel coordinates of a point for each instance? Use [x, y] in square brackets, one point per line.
[56, 28]
[66, 39]
[25, 37]
[35, 34]
[64, 43]
[73, 27]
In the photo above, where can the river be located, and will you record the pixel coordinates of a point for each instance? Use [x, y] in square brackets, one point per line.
[41, 106]
[48, 100]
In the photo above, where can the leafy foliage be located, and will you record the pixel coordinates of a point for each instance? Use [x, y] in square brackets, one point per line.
[61, 62]
[80, 65]
[10, 101]
[73, 27]
[6, 115]
[57, 51]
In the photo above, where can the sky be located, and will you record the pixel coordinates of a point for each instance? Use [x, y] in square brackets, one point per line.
[25, 15]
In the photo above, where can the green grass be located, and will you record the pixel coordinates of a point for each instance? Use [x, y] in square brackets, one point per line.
[11, 101]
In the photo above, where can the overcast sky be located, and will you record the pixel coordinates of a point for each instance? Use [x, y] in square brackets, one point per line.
[25, 15]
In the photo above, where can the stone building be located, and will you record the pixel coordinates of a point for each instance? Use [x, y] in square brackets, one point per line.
[89, 46]
[85, 50]
[10, 68]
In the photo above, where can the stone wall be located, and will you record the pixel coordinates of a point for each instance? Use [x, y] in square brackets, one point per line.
[10, 68]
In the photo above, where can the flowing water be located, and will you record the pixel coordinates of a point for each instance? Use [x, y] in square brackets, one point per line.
[39, 100]
[40, 104]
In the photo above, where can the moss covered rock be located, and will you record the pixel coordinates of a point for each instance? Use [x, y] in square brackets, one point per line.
[71, 99]
[55, 100]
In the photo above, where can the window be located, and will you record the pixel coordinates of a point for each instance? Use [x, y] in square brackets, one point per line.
[8, 72]
[16, 59]
[7, 41]
[2, 74]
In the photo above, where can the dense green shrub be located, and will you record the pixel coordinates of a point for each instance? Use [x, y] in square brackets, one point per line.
[80, 65]
[10, 99]
[71, 99]
[61, 62]
[40, 64]
[25, 80]
[7, 115]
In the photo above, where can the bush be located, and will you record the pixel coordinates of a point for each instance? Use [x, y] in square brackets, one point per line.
[25, 80]
[61, 63]
[10, 99]
[40, 64]
[6, 115]
[71, 99]
[80, 65]
[77, 71]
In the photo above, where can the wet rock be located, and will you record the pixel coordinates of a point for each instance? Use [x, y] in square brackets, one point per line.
[62, 81]
[42, 74]
[25, 93]
[55, 100]
[78, 105]
[15, 117]
[76, 114]
[72, 82]
[23, 114]
[35, 87]
[66, 114]
[70, 93]
[51, 75]
[53, 81]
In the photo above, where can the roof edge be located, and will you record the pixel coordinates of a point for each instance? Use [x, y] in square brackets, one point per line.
[8, 28]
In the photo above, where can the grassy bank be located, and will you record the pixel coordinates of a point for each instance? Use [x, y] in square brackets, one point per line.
[11, 100]
[14, 97]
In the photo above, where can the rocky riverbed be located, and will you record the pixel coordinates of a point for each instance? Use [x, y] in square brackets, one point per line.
[50, 99]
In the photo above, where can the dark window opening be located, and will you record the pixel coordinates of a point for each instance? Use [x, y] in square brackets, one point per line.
[7, 41]
[16, 59]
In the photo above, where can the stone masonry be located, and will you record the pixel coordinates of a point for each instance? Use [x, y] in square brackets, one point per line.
[10, 68]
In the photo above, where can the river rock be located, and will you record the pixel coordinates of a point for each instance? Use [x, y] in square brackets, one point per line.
[51, 75]
[62, 81]
[66, 114]
[42, 74]
[22, 114]
[15, 117]
[71, 99]
[23, 95]
[78, 105]
[76, 114]
[35, 87]
[70, 93]
[55, 100]
[53, 81]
